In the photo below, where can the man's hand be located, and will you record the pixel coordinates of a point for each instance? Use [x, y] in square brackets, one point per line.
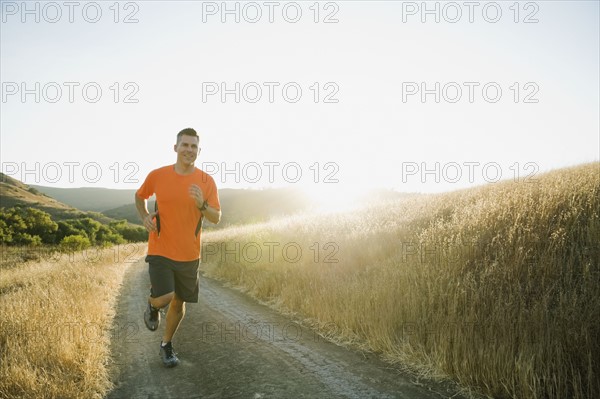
[197, 195]
[212, 214]
[149, 222]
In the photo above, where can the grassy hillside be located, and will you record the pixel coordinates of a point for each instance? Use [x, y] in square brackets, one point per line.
[14, 192]
[495, 287]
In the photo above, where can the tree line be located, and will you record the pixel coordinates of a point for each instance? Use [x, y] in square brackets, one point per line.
[21, 225]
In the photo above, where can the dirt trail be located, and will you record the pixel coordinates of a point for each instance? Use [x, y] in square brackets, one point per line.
[230, 346]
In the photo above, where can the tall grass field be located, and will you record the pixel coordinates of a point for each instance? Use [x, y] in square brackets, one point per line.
[495, 287]
[56, 314]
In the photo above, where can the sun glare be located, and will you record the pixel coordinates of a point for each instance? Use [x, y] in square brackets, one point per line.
[334, 198]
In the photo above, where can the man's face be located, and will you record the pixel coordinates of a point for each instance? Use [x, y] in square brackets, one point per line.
[187, 150]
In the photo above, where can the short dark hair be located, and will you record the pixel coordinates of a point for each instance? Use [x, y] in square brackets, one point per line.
[188, 131]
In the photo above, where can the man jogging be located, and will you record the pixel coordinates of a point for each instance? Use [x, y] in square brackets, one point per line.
[185, 195]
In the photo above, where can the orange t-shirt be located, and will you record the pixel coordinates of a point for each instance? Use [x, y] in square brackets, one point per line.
[178, 213]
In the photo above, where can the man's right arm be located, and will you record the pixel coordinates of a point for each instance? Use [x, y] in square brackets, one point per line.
[146, 217]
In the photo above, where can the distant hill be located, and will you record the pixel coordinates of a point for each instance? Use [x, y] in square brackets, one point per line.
[13, 192]
[89, 198]
[127, 212]
[251, 206]
[239, 206]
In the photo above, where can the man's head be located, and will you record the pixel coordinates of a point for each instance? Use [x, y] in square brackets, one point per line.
[187, 146]
[187, 132]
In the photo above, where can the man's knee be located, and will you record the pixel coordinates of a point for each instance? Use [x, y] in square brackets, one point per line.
[162, 301]
[177, 304]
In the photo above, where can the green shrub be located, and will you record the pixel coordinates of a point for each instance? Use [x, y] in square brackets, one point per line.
[74, 243]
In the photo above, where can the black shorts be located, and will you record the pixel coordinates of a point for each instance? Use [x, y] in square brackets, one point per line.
[168, 275]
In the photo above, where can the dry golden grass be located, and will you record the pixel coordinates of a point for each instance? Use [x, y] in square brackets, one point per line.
[56, 316]
[495, 287]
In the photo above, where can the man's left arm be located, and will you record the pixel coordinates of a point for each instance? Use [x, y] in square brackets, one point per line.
[212, 214]
[207, 206]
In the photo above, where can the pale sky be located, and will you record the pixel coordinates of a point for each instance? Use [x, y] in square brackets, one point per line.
[374, 62]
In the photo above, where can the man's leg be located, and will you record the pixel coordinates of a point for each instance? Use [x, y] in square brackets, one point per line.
[186, 290]
[161, 301]
[174, 316]
[163, 287]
